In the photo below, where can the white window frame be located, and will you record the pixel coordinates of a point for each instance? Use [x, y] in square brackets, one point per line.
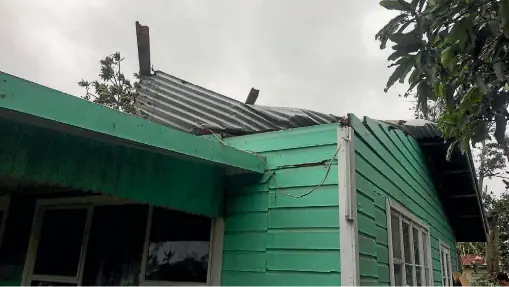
[89, 202]
[414, 222]
[215, 256]
[446, 275]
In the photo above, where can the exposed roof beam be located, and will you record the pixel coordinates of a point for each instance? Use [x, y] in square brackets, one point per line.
[456, 171]
[143, 39]
[456, 196]
[24, 101]
[253, 95]
[431, 143]
[468, 216]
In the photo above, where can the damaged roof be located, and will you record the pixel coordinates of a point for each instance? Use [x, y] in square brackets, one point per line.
[174, 102]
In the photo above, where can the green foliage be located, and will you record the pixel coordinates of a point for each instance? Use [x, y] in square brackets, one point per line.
[113, 89]
[501, 208]
[489, 200]
[433, 108]
[485, 280]
[457, 54]
[476, 248]
[495, 161]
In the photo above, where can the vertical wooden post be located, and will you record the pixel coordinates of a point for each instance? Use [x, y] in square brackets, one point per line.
[253, 95]
[143, 39]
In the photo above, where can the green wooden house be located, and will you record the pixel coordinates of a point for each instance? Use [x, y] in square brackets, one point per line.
[203, 190]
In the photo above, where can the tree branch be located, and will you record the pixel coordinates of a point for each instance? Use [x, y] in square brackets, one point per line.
[120, 85]
[500, 176]
[88, 93]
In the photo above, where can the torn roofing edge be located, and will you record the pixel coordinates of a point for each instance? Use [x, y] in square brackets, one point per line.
[174, 102]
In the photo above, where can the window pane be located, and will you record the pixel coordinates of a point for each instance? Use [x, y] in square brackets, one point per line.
[406, 242]
[442, 254]
[417, 253]
[59, 248]
[409, 272]
[396, 242]
[418, 275]
[427, 276]
[447, 265]
[425, 248]
[179, 247]
[398, 274]
[446, 272]
[115, 245]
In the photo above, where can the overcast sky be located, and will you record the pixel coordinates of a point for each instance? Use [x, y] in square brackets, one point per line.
[319, 55]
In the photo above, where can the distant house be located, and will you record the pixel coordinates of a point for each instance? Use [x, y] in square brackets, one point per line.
[204, 190]
[473, 266]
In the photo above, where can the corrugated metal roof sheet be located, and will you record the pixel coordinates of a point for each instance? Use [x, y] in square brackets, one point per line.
[417, 128]
[181, 105]
[176, 103]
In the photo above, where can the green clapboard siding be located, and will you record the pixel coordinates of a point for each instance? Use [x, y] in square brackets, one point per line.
[391, 165]
[34, 154]
[272, 238]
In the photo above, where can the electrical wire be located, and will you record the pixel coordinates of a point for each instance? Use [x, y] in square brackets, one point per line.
[273, 174]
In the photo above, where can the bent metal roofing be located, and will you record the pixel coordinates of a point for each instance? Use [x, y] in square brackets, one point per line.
[181, 105]
[193, 109]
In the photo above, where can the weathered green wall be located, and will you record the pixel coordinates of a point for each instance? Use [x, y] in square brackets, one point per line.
[274, 239]
[39, 155]
[391, 165]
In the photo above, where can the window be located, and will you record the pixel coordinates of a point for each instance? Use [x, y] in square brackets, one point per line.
[445, 263]
[115, 245]
[61, 242]
[177, 248]
[409, 248]
[60, 245]
[100, 241]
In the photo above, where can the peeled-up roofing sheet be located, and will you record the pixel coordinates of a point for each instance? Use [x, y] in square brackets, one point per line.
[181, 105]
